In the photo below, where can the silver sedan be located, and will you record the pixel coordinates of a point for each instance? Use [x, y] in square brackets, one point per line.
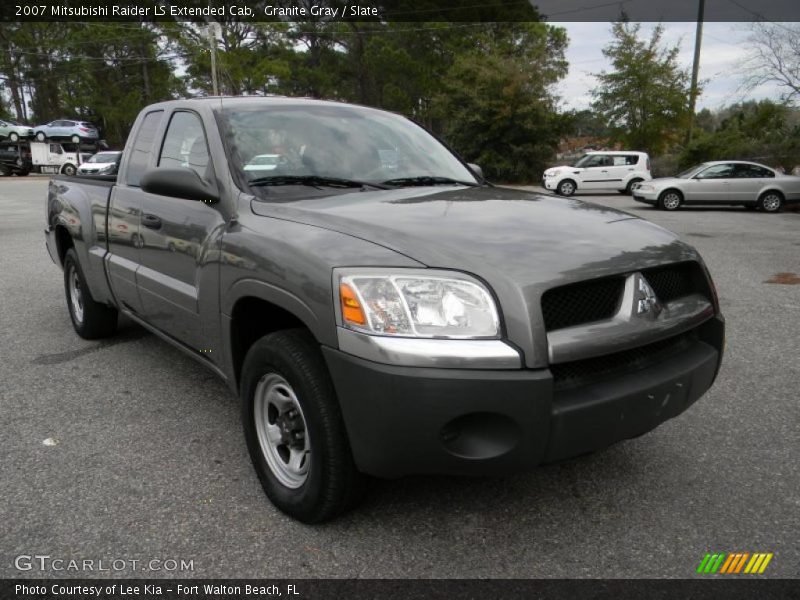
[731, 182]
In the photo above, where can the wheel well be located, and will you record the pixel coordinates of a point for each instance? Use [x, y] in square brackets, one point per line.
[765, 192]
[666, 191]
[63, 242]
[253, 318]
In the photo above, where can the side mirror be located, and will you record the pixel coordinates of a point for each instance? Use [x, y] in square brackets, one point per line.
[476, 169]
[178, 183]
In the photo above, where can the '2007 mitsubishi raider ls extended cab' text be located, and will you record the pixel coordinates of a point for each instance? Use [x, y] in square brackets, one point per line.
[379, 308]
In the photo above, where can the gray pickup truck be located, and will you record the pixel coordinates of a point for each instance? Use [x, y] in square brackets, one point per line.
[378, 307]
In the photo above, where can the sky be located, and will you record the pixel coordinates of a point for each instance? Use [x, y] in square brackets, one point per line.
[722, 51]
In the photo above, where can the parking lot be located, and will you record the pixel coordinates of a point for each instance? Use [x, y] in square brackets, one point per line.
[146, 460]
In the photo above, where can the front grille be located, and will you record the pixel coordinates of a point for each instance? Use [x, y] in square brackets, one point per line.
[582, 302]
[675, 281]
[598, 299]
[590, 370]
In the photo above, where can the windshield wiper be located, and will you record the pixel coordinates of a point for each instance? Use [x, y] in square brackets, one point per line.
[314, 181]
[427, 180]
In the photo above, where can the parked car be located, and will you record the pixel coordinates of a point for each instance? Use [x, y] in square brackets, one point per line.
[15, 158]
[603, 170]
[13, 131]
[378, 307]
[102, 163]
[722, 182]
[74, 131]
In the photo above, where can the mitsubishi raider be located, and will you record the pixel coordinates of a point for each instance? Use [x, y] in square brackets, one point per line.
[377, 306]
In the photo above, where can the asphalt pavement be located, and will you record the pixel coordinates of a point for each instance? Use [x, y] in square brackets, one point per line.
[127, 450]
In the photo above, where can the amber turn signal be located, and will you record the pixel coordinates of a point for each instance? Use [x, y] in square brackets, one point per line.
[351, 307]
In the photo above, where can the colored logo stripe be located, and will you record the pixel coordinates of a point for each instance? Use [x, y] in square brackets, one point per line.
[735, 562]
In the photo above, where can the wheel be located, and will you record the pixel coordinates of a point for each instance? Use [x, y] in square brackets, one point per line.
[566, 187]
[629, 188]
[75, 139]
[68, 169]
[23, 173]
[294, 429]
[171, 247]
[40, 136]
[770, 202]
[670, 200]
[91, 319]
[13, 136]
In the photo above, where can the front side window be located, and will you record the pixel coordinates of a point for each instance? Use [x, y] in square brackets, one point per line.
[717, 172]
[142, 147]
[185, 145]
[594, 160]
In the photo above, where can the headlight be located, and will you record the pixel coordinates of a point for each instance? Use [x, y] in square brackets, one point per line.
[551, 172]
[644, 187]
[439, 304]
[107, 169]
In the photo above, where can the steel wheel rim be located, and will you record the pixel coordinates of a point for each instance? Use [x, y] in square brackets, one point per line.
[75, 295]
[771, 203]
[567, 189]
[671, 201]
[13, 137]
[281, 430]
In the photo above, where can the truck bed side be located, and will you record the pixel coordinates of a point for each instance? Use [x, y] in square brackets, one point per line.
[77, 213]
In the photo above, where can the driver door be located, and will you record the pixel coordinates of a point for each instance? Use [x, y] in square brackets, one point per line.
[712, 184]
[596, 172]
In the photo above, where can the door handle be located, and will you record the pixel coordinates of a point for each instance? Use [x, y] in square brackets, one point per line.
[151, 221]
[604, 171]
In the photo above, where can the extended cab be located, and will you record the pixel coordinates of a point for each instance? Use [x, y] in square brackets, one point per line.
[378, 307]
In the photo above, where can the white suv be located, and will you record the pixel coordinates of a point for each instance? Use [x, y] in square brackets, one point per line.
[606, 170]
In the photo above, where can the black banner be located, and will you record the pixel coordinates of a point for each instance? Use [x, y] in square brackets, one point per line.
[397, 10]
[390, 589]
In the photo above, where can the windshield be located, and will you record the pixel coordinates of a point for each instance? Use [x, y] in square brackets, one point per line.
[103, 157]
[689, 172]
[286, 143]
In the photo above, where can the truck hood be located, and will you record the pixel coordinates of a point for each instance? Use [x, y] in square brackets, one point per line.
[492, 231]
[520, 243]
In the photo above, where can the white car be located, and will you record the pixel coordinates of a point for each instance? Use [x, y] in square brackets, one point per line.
[729, 182]
[603, 170]
[102, 163]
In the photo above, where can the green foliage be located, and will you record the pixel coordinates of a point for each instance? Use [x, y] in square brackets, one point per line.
[763, 131]
[495, 106]
[645, 97]
[485, 87]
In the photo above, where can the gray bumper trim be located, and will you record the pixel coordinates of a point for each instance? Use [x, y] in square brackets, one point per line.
[438, 353]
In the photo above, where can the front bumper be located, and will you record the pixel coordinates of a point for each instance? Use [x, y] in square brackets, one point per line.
[645, 196]
[406, 420]
[550, 183]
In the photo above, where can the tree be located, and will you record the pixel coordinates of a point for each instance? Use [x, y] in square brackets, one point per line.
[774, 57]
[645, 98]
[763, 131]
[496, 105]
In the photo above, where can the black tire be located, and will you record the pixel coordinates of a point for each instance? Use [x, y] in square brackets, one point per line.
[4, 171]
[23, 173]
[771, 202]
[629, 188]
[69, 170]
[667, 200]
[40, 136]
[97, 320]
[566, 187]
[332, 484]
[13, 136]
